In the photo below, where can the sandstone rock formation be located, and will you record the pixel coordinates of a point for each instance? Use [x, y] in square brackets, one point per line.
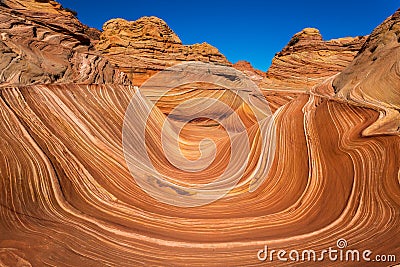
[68, 198]
[143, 47]
[373, 78]
[249, 70]
[43, 43]
[307, 60]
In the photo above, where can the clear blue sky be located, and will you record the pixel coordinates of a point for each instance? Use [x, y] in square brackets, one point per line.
[252, 30]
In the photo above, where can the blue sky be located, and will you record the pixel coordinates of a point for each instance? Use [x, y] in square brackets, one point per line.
[252, 30]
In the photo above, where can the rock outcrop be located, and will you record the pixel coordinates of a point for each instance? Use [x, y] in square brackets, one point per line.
[41, 42]
[246, 67]
[373, 78]
[143, 47]
[307, 60]
[69, 197]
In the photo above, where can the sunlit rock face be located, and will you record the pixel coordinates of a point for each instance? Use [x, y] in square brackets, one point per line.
[373, 78]
[249, 70]
[143, 47]
[307, 60]
[41, 42]
[69, 198]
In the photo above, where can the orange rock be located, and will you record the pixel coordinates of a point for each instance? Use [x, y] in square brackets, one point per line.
[249, 70]
[68, 198]
[373, 78]
[41, 42]
[143, 47]
[308, 60]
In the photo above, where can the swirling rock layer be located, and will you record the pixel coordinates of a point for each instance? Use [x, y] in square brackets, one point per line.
[373, 78]
[43, 43]
[307, 60]
[67, 197]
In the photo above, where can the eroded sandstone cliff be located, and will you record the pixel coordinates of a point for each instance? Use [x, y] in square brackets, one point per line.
[373, 78]
[307, 60]
[41, 42]
[246, 67]
[143, 47]
[68, 198]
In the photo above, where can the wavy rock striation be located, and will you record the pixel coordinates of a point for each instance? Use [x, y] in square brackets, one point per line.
[43, 43]
[373, 78]
[68, 198]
